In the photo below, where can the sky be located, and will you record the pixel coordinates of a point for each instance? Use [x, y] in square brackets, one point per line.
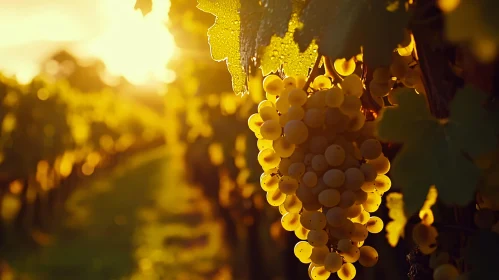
[131, 45]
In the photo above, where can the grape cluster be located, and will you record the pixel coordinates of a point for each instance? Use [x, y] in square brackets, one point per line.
[323, 168]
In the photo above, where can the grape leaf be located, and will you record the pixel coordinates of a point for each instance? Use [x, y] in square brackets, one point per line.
[223, 37]
[434, 152]
[352, 25]
[284, 52]
[251, 16]
[145, 6]
[275, 19]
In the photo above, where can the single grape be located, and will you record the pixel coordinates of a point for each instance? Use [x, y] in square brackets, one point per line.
[360, 197]
[297, 97]
[334, 178]
[295, 132]
[362, 218]
[282, 105]
[333, 262]
[296, 113]
[374, 225]
[275, 197]
[268, 113]
[360, 232]
[424, 235]
[354, 179]
[371, 149]
[314, 118]
[352, 85]
[269, 182]
[343, 232]
[368, 256]
[264, 144]
[268, 159]
[288, 185]
[283, 148]
[382, 183]
[369, 172]
[284, 166]
[356, 122]
[290, 221]
[273, 85]
[301, 232]
[321, 82]
[351, 105]
[289, 82]
[372, 203]
[292, 204]
[347, 271]
[306, 195]
[319, 273]
[317, 238]
[302, 249]
[336, 217]
[319, 163]
[334, 97]
[347, 199]
[309, 179]
[329, 197]
[344, 67]
[379, 88]
[265, 103]
[381, 164]
[335, 155]
[354, 211]
[271, 130]
[296, 170]
[318, 144]
[255, 122]
[319, 255]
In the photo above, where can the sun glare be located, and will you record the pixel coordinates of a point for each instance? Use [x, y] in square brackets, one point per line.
[131, 45]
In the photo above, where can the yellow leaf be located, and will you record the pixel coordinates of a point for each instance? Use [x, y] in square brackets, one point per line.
[286, 53]
[223, 37]
[395, 228]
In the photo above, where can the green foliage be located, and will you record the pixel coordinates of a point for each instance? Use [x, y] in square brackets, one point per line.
[438, 152]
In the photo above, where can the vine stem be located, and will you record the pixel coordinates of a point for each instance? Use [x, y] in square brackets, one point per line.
[314, 73]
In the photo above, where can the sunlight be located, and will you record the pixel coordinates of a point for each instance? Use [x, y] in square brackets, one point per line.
[131, 45]
[134, 46]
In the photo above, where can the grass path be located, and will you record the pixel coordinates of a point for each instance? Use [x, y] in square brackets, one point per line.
[141, 221]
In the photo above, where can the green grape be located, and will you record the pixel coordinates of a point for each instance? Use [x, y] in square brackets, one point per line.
[264, 144]
[343, 232]
[290, 221]
[301, 232]
[317, 238]
[362, 218]
[297, 97]
[371, 149]
[319, 163]
[295, 132]
[282, 210]
[334, 178]
[292, 204]
[351, 105]
[347, 271]
[335, 155]
[284, 166]
[265, 103]
[289, 82]
[273, 85]
[319, 254]
[275, 197]
[296, 113]
[329, 197]
[333, 262]
[372, 203]
[255, 122]
[354, 179]
[309, 179]
[352, 255]
[318, 144]
[360, 232]
[336, 217]
[317, 220]
[321, 82]
[352, 85]
[303, 249]
[344, 67]
[268, 113]
[334, 97]
[282, 105]
[382, 183]
[319, 273]
[308, 159]
[356, 122]
[269, 182]
[288, 185]
[347, 199]
[283, 148]
[445, 272]
[268, 159]
[379, 88]
[360, 197]
[354, 211]
[381, 74]
[374, 225]
[368, 256]
[314, 118]
[296, 170]
[369, 171]
[271, 130]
